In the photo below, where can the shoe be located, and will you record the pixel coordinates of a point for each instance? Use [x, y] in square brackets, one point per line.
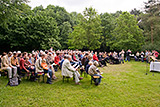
[54, 78]
[80, 78]
[49, 82]
[96, 84]
[78, 83]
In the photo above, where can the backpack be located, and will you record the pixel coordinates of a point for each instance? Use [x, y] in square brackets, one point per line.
[13, 82]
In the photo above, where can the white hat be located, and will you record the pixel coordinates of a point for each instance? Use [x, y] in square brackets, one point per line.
[18, 52]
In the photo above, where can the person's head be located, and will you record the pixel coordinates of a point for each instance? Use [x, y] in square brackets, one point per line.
[29, 55]
[57, 54]
[24, 55]
[95, 63]
[27, 58]
[43, 61]
[86, 54]
[95, 53]
[33, 55]
[15, 54]
[89, 57]
[4, 53]
[65, 56]
[50, 54]
[70, 58]
[19, 55]
[43, 56]
[90, 63]
[9, 54]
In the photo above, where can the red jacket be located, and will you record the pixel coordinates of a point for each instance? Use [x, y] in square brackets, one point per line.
[56, 60]
[22, 61]
[95, 57]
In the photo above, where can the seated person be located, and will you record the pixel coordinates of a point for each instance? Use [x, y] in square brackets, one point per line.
[47, 70]
[57, 62]
[69, 70]
[95, 58]
[93, 71]
[101, 59]
[87, 67]
[22, 63]
[5, 65]
[28, 65]
[14, 61]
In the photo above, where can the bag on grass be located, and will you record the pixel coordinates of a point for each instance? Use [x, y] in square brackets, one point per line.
[13, 82]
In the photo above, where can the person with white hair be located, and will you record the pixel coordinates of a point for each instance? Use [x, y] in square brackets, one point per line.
[69, 70]
[93, 71]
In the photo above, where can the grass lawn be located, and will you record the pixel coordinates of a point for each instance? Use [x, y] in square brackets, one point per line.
[122, 85]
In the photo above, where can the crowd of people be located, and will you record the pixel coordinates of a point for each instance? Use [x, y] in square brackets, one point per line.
[69, 61]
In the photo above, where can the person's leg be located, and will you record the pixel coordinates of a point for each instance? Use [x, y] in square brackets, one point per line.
[50, 74]
[14, 71]
[77, 75]
[9, 69]
[147, 59]
[128, 58]
[104, 63]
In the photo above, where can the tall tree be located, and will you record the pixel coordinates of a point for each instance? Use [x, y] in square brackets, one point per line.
[108, 25]
[87, 32]
[150, 22]
[127, 34]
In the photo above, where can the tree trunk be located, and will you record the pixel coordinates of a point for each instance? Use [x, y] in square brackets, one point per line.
[152, 33]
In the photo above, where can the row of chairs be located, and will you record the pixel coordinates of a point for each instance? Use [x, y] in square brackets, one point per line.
[65, 78]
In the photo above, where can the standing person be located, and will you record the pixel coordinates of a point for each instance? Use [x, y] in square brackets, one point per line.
[137, 55]
[128, 55]
[69, 70]
[121, 54]
[146, 55]
[142, 56]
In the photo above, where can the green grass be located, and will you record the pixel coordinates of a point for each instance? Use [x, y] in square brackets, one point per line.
[122, 86]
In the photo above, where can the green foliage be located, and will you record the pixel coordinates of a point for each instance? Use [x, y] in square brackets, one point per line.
[127, 34]
[150, 22]
[24, 29]
[87, 33]
[8, 9]
[108, 25]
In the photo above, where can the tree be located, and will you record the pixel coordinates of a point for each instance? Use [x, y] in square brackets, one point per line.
[87, 33]
[150, 22]
[9, 8]
[64, 33]
[108, 25]
[127, 34]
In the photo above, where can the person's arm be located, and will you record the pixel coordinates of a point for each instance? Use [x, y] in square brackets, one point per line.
[24, 66]
[17, 61]
[70, 67]
[4, 62]
[94, 68]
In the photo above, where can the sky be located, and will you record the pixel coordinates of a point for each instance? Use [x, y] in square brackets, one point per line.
[101, 6]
